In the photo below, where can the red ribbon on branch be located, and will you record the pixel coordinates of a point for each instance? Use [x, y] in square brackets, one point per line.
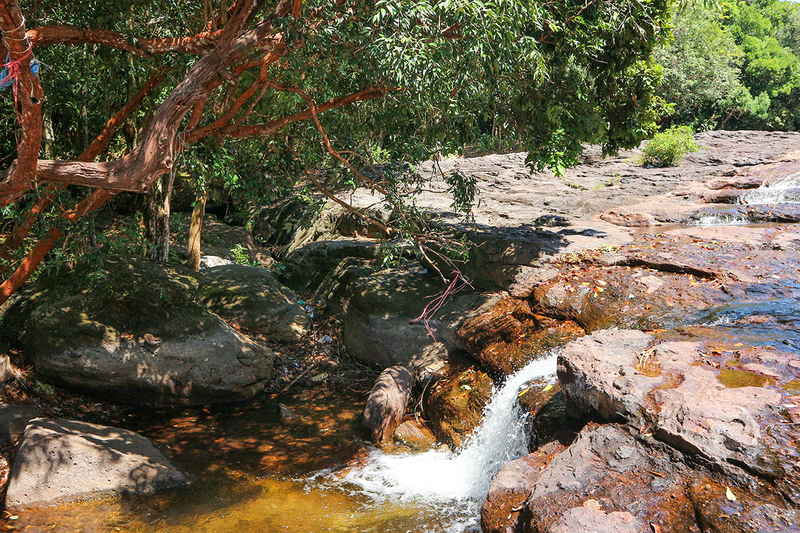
[9, 76]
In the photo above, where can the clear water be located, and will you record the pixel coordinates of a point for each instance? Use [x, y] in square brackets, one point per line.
[238, 489]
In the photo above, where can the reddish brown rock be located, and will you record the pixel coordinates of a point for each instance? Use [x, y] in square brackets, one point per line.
[722, 196]
[511, 487]
[589, 520]
[617, 375]
[729, 509]
[608, 470]
[627, 220]
[415, 434]
[455, 404]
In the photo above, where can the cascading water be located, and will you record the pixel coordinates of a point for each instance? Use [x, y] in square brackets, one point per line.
[785, 191]
[455, 483]
[781, 192]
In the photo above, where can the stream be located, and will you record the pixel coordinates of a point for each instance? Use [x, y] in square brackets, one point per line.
[255, 474]
[264, 476]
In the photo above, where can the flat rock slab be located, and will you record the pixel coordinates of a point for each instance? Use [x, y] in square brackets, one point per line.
[618, 375]
[65, 460]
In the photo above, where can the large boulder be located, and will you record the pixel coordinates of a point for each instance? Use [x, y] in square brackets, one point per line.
[253, 299]
[135, 331]
[621, 375]
[63, 460]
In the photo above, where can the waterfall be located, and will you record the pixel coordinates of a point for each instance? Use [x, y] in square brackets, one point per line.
[781, 192]
[456, 483]
[784, 191]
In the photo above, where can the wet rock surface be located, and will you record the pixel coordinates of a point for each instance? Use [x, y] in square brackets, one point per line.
[608, 469]
[62, 460]
[455, 402]
[415, 435]
[511, 488]
[694, 419]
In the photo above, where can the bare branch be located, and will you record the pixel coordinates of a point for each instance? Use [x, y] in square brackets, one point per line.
[73, 36]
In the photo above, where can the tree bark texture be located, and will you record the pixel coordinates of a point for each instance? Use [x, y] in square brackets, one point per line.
[195, 230]
[157, 216]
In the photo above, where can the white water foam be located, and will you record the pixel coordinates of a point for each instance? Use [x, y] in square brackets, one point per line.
[457, 481]
[722, 220]
[781, 192]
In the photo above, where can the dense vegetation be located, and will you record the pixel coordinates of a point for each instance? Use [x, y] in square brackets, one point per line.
[734, 65]
[238, 101]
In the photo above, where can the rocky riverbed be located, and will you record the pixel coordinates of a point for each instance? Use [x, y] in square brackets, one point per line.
[678, 402]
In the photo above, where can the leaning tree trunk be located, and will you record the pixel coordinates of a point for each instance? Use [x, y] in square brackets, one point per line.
[157, 216]
[195, 228]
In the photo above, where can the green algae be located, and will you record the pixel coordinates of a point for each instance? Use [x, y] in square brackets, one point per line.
[734, 379]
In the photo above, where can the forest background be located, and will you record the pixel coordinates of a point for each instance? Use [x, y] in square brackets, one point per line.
[342, 86]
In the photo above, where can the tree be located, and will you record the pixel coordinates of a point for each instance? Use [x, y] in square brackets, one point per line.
[726, 69]
[295, 71]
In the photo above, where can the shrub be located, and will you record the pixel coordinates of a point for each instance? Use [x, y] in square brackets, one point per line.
[666, 149]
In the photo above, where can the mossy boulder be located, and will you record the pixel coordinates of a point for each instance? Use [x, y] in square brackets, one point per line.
[455, 403]
[135, 331]
[253, 299]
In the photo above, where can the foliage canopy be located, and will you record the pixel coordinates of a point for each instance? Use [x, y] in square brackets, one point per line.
[299, 84]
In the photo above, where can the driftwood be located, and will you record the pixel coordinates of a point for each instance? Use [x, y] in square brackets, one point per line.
[387, 403]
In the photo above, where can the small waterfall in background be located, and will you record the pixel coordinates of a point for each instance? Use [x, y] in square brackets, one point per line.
[456, 483]
[785, 191]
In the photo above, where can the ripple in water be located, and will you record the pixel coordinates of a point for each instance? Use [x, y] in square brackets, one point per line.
[454, 484]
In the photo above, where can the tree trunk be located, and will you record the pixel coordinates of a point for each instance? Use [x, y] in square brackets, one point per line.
[47, 134]
[195, 228]
[157, 216]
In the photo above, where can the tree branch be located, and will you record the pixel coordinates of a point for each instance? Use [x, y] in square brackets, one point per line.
[100, 143]
[73, 36]
[28, 97]
[271, 127]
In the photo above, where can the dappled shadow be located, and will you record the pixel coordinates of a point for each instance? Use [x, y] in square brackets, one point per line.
[64, 459]
[250, 440]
